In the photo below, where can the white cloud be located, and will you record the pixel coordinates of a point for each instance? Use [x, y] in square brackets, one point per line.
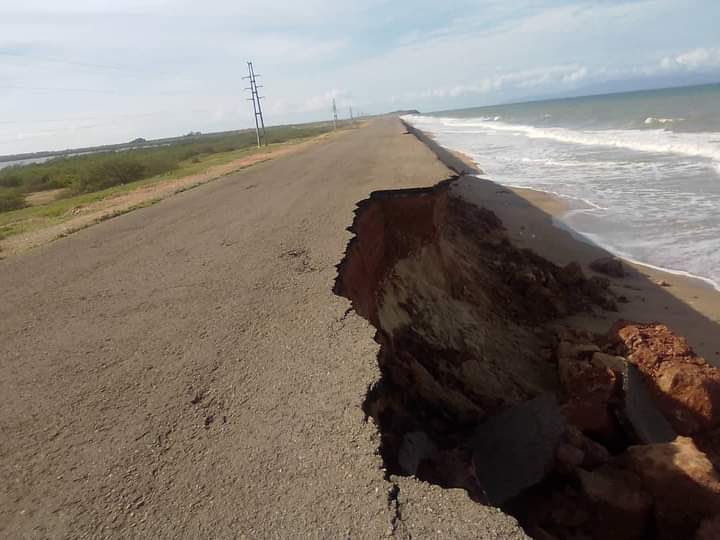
[158, 67]
[694, 60]
[524, 79]
[565, 77]
[576, 76]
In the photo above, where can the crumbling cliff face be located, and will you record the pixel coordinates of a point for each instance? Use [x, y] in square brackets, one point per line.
[483, 389]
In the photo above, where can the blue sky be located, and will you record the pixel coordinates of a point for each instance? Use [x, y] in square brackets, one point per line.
[84, 72]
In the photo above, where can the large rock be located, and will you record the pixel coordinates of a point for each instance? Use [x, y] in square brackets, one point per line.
[589, 389]
[516, 449]
[685, 388]
[682, 481]
[611, 266]
[690, 396]
[621, 507]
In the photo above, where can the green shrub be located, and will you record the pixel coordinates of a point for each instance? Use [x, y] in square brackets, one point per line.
[10, 180]
[11, 200]
[111, 171]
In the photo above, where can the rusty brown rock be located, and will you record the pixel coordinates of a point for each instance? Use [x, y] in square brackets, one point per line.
[690, 396]
[621, 505]
[684, 386]
[591, 417]
[594, 454]
[682, 481]
[589, 389]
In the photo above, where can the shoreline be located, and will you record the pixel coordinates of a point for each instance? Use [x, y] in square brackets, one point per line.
[688, 304]
[558, 206]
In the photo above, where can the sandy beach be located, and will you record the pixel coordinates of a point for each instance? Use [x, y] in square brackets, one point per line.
[689, 306]
[534, 219]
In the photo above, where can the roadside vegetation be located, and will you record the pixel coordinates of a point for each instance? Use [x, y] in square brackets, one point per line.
[11, 199]
[37, 196]
[91, 173]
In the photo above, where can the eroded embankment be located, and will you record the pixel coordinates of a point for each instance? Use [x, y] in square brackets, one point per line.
[484, 389]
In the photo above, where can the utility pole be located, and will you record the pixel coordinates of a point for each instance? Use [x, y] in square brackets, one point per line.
[257, 108]
[334, 115]
[351, 116]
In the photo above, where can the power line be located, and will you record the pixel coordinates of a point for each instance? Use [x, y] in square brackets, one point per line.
[257, 108]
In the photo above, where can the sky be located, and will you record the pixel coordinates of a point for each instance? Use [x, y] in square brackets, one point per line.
[85, 72]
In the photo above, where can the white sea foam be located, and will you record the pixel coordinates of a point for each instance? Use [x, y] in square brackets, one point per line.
[704, 145]
[652, 120]
[648, 195]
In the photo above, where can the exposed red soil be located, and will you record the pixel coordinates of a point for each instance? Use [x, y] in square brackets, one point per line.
[470, 327]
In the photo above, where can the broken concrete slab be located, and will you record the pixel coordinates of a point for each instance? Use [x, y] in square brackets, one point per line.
[515, 449]
[648, 424]
[637, 412]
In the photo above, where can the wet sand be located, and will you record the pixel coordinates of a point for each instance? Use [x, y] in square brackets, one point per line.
[690, 307]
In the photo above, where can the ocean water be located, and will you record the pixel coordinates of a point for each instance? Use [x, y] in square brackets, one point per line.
[21, 162]
[640, 171]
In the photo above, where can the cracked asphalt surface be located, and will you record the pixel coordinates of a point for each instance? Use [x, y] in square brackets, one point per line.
[186, 371]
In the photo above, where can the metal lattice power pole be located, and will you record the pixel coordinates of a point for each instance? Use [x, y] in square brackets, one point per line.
[334, 115]
[257, 107]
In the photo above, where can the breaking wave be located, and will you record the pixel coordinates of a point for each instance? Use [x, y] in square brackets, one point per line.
[705, 145]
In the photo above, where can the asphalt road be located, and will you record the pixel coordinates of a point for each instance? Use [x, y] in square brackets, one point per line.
[186, 371]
